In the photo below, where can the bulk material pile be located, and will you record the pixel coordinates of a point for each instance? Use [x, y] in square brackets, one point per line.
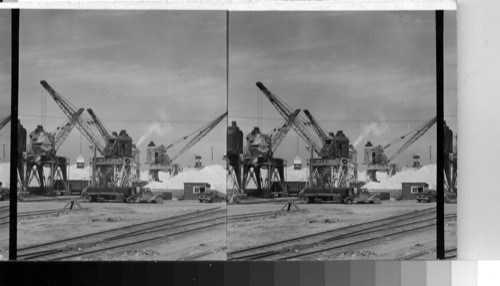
[5, 174]
[215, 175]
[292, 175]
[426, 174]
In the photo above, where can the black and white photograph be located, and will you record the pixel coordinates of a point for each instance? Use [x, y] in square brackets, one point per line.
[123, 119]
[5, 119]
[332, 135]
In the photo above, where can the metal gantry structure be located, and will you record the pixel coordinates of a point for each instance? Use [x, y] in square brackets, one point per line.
[41, 154]
[160, 161]
[119, 164]
[379, 158]
[336, 164]
[259, 155]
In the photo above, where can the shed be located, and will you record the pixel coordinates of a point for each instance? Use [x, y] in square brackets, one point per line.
[410, 190]
[193, 189]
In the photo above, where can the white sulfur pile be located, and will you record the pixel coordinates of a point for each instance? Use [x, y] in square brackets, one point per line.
[5, 174]
[425, 174]
[215, 175]
[292, 175]
[381, 176]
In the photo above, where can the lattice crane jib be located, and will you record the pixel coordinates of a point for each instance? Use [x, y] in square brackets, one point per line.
[300, 124]
[419, 132]
[321, 133]
[280, 133]
[4, 122]
[84, 124]
[198, 135]
[99, 125]
[65, 130]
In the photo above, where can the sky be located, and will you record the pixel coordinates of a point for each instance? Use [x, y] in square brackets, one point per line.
[354, 71]
[138, 70]
[5, 79]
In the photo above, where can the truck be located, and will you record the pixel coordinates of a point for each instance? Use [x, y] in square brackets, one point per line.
[129, 195]
[346, 196]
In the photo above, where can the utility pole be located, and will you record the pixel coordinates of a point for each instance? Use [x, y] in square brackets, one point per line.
[212, 155]
[430, 154]
[4, 151]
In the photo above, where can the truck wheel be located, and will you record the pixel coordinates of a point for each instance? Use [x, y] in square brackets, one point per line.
[159, 199]
[87, 199]
[348, 201]
[131, 200]
[305, 200]
[376, 200]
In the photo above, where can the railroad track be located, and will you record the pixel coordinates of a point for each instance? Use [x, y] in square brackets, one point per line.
[449, 254]
[4, 216]
[132, 235]
[340, 238]
[259, 214]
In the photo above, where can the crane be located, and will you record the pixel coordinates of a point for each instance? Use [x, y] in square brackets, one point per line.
[4, 122]
[376, 158]
[198, 135]
[321, 133]
[279, 133]
[413, 137]
[65, 129]
[104, 132]
[159, 160]
[86, 125]
[335, 167]
[299, 123]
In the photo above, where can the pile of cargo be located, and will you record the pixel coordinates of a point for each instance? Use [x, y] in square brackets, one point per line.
[426, 174]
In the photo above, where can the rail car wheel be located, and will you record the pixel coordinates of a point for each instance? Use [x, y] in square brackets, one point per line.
[159, 199]
[376, 200]
[305, 200]
[131, 200]
[87, 199]
[348, 201]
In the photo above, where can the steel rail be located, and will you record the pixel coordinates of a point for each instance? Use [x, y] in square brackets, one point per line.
[111, 230]
[135, 242]
[410, 215]
[334, 238]
[358, 242]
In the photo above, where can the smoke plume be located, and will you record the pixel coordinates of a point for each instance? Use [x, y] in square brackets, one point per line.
[159, 128]
[374, 128]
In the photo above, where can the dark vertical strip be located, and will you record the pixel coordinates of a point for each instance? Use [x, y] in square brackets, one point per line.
[13, 135]
[440, 134]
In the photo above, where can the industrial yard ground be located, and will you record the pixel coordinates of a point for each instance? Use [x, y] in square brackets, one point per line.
[204, 244]
[316, 218]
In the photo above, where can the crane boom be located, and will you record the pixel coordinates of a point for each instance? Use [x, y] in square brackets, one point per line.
[420, 132]
[280, 133]
[299, 125]
[104, 132]
[200, 133]
[321, 133]
[4, 121]
[64, 131]
[82, 123]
